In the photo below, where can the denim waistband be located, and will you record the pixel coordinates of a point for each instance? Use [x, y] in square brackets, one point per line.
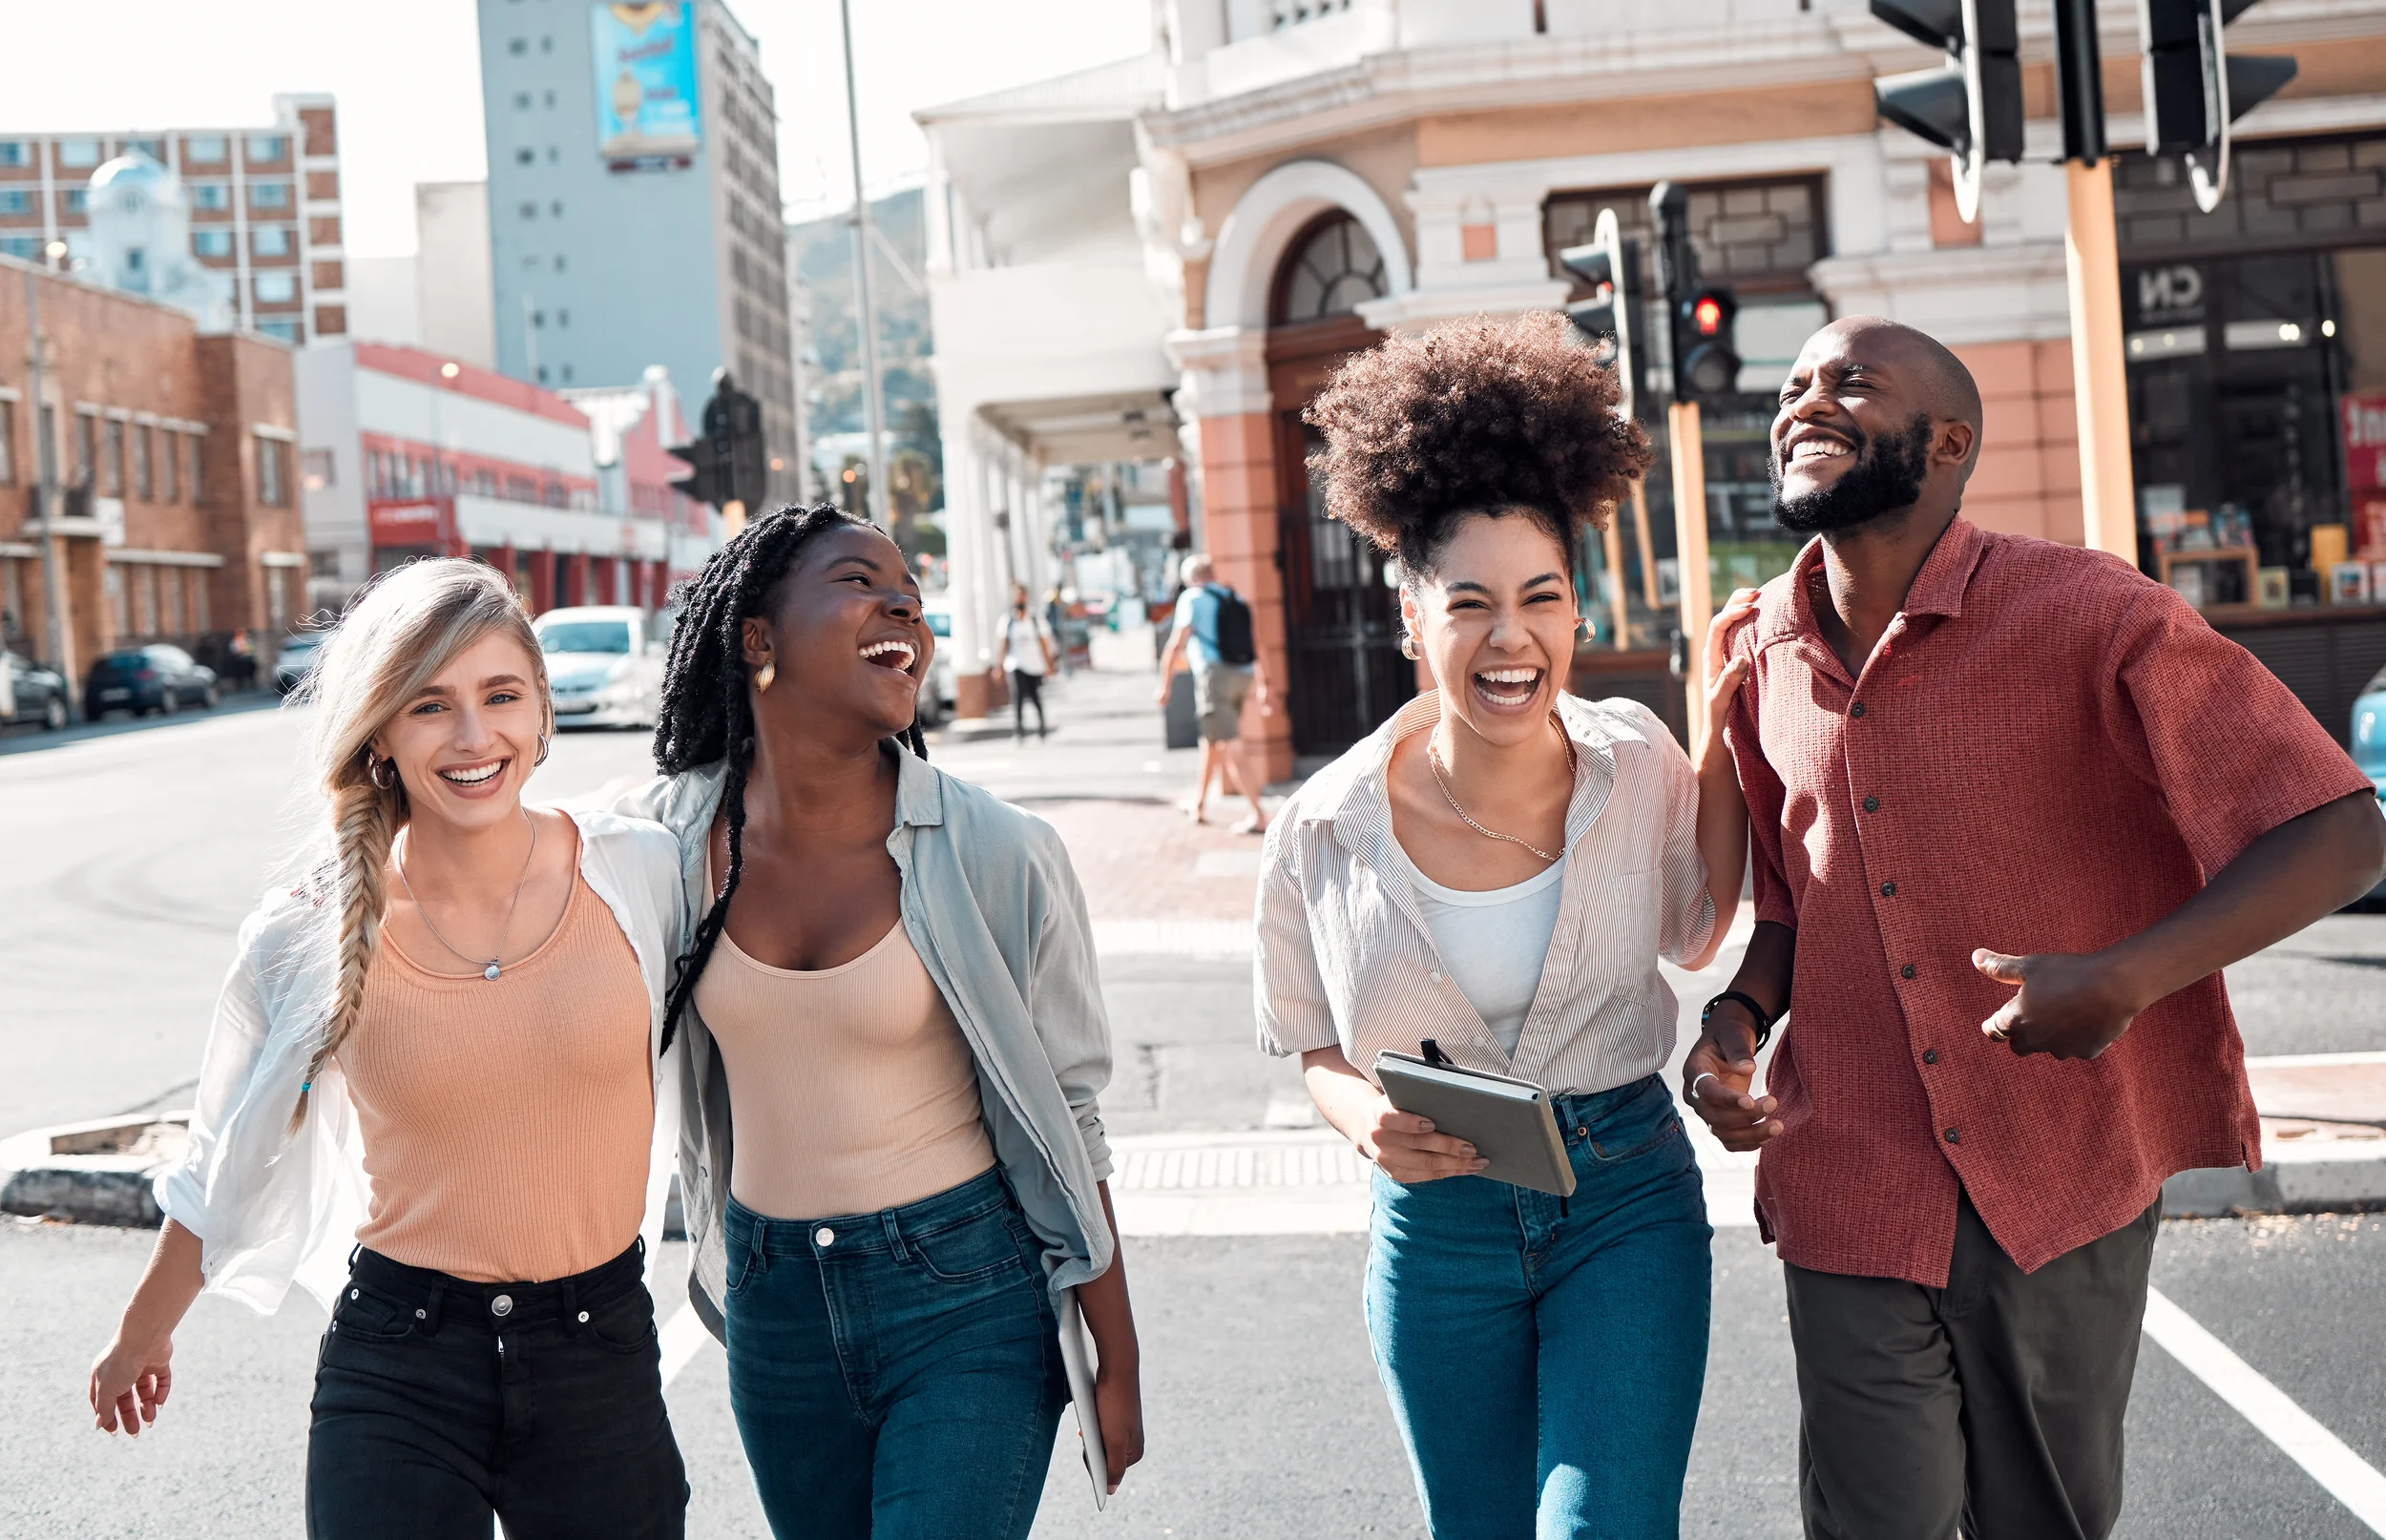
[439, 1297]
[1582, 1109]
[881, 1231]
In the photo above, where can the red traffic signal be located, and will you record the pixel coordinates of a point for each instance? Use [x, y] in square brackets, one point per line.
[1707, 314]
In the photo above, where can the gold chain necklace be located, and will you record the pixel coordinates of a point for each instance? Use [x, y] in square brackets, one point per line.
[1433, 760]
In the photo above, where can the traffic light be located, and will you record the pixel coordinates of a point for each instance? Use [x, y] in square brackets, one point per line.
[1610, 266]
[710, 481]
[731, 463]
[1699, 317]
[2194, 90]
[1972, 106]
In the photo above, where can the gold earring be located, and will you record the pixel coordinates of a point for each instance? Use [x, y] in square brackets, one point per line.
[763, 676]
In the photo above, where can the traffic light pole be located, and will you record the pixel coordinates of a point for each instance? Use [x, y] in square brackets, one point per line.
[1689, 542]
[1619, 605]
[875, 504]
[2100, 378]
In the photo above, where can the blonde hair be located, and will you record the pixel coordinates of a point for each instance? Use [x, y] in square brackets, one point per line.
[398, 635]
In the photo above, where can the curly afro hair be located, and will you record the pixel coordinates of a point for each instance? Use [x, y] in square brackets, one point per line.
[1498, 414]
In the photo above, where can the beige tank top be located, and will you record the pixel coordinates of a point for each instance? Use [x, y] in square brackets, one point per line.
[851, 1088]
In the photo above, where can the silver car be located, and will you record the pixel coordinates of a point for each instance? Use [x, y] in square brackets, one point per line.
[604, 665]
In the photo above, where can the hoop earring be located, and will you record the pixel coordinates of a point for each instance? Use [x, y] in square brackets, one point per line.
[764, 677]
[1407, 646]
[372, 772]
[544, 743]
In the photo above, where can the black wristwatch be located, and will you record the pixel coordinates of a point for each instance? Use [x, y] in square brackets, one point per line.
[1764, 1022]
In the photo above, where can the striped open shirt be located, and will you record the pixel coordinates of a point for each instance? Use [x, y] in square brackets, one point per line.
[1345, 957]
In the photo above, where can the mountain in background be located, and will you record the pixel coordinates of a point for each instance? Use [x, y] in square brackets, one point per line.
[822, 251]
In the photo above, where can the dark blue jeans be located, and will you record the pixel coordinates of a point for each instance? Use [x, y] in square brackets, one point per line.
[439, 1402]
[1544, 1355]
[895, 1375]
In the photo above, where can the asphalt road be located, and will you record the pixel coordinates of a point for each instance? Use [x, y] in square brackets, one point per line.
[134, 852]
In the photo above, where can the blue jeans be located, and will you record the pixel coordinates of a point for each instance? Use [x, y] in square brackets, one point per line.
[895, 1375]
[1543, 1355]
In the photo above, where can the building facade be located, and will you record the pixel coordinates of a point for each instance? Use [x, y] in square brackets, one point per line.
[170, 455]
[1307, 178]
[263, 202]
[632, 202]
[407, 454]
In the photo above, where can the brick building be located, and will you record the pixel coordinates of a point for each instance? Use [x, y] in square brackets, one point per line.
[264, 202]
[175, 516]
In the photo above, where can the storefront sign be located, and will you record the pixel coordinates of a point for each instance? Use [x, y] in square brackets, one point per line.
[2170, 295]
[2364, 426]
[405, 524]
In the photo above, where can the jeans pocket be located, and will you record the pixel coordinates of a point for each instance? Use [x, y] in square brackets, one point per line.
[624, 1323]
[967, 1251]
[741, 1261]
[364, 1316]
[1644, 1122]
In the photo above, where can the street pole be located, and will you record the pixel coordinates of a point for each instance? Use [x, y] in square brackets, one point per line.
[877, 488]
[1689, 544]
[1640, 533]
[2100, 378]
[45, 488]
[1619, 604]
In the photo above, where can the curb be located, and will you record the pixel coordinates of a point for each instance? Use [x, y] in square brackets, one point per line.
[99, 1172]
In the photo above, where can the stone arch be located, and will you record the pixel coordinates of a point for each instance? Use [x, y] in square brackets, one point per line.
[1264, 222]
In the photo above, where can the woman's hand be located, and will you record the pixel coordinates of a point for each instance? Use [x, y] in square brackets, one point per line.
[1724, 674]
[131, 1380]
[1118, 1406]
[1403, 1145]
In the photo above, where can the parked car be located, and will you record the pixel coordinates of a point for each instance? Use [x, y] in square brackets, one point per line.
[30, 693]
[144, 680]
[936, 689]
[299, 654]
[2369, 747]
[604, 665]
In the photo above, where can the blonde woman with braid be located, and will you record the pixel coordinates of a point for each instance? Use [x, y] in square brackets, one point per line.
[430, 1098]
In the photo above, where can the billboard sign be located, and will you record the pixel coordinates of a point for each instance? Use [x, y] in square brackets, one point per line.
[645, 59]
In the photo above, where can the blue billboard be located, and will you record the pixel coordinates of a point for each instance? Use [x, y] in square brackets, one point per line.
[645, 57]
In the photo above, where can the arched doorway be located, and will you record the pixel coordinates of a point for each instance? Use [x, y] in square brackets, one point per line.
[1341, 609]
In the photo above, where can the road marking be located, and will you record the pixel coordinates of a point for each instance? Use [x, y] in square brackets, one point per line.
[683, 1336]
[2342, 1473]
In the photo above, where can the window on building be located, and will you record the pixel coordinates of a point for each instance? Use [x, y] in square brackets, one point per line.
[212, 242]
[521, 101]
[75, 199]
[112, 460]
[525, 156]
[269, 241]
[555, 208]
[268, 147]
[211, 196]
[529, 211]
[485, 482]
[190, 476]
[117, 605]
[24, 248]
[269, 194]
[551, 98]
[169, 457]
[281, 328]
[171, 580]
[567, 374]
[80, 153]
[559, 263]
[518, 45]
[144, 439]
[542, 374]
[546, 44]
[273, 472]
[275, 288]
[563, 318]
[316, 469]
[12, 152]
[145, 599]
[1333, 269]
[199, 601]
[15, 200]
[8, 443]
[155, 149]
[206, 150]
[554, 157]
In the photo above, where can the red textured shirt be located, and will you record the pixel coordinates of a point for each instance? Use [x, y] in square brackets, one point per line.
[2048, 752]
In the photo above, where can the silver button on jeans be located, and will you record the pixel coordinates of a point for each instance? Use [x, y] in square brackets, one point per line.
[823, 1237]
[501, 1305]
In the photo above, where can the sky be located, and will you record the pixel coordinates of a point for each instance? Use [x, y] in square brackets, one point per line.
[408, 81]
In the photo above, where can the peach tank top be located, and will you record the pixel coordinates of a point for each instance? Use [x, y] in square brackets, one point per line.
[506, 1126]
[851, 1088]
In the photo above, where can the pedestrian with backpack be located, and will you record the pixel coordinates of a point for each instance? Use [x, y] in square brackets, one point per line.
[1212, 634]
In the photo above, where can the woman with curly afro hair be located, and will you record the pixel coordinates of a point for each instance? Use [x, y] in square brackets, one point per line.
[1495, 872]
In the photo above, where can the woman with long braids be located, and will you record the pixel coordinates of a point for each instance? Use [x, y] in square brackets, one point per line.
[891, 998]
[442, 1048]
[1498, 869]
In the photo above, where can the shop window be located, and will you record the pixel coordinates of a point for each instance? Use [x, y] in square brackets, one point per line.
[1333, 268]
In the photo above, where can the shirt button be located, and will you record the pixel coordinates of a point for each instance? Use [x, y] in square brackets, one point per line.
[823, 1237]
[1905, 972]
[1954, 1136]
[1856, 710]
[1872, 804]
[1889, 890]
[502, 1305]
[1929, 1056]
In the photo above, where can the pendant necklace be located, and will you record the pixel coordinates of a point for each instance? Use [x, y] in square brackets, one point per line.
[1433, 758]
[491, 970]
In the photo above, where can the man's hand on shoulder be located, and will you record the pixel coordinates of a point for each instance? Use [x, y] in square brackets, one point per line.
[2070, 1006]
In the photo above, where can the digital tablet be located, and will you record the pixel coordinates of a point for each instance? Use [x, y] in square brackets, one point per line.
[1508, 1121]
[1077, 1358]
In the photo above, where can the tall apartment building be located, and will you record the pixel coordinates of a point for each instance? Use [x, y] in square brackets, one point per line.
[264, 205]
[633, 201]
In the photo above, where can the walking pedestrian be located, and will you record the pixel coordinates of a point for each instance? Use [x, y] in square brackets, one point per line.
[1027, 657]
[892, 1166]
[1498, 869]
[1212, 634]
[2014, 807]
[443, 1048]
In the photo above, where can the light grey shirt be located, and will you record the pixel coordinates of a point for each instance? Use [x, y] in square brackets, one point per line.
[1345, 956]
[993, 907]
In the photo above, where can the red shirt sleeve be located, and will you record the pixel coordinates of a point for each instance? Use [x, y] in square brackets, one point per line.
[2232, 750]
[1764, 791]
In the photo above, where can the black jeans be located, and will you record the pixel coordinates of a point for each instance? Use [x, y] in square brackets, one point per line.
[1026, 690]
[1995, 1403]
[440, 1402]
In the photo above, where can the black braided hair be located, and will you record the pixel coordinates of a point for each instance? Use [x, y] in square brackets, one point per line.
[706, 714]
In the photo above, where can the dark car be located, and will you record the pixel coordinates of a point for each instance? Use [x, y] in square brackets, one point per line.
[145, 680]
[300, 652]
[30, 693]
